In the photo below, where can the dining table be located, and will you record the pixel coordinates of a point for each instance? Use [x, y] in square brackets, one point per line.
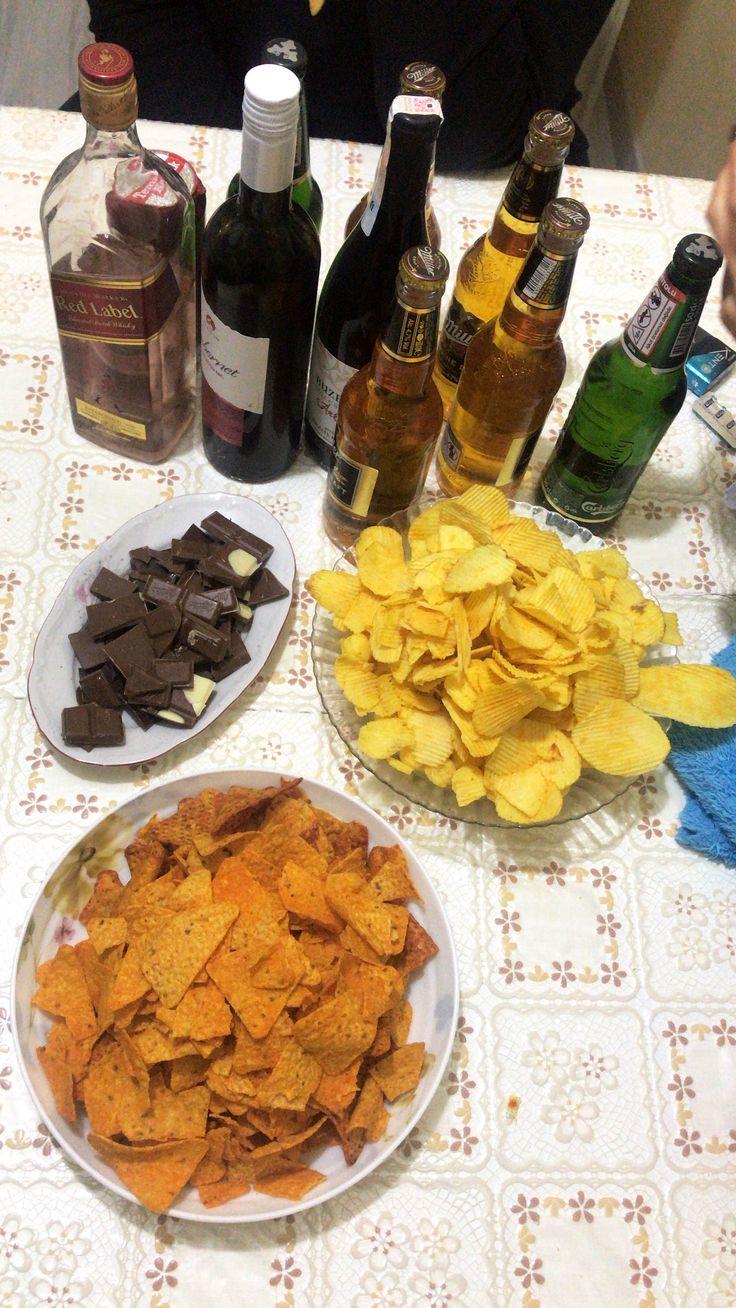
[581, 1148]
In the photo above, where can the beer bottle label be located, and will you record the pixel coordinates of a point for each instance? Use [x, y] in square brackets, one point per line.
[545, 281]
[450, 448]
[351, 484]
[528, 190]
[328, 378]
[411, 335]
[458, 330]
[234, 368]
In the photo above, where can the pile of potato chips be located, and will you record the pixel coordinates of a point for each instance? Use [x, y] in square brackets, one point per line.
[240, 1001]
[499, 663]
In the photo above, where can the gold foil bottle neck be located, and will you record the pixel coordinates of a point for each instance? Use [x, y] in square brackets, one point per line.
[109, 108]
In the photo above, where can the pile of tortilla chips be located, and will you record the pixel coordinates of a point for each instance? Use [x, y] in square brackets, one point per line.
[240, 1001]
[499, 663]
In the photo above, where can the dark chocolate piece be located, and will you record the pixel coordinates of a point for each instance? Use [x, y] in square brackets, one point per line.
[216, 567]
[190, 551]
[88, 653]
[87, 725]
[114, 615]
[147, 691]
[265, 589]
[109, 585]
[162, 620]
[143, 719]
[204, 639]
[237, 656]
[158, 591]
[98, 687]
[224, 529]
[226, 598]
[201, 606]
[195, 533]
[177, 671]
[141, 554]
[131, 650]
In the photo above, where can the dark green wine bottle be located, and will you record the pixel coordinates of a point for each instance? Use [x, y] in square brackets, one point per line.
[633, 389]
[305, 191]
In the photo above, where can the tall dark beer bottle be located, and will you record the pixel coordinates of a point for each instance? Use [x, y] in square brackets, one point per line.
[633, 389]
[260, 265]
[358, 292]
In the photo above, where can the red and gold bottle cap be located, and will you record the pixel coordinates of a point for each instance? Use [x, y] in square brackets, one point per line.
[107, 88]
[550, 136]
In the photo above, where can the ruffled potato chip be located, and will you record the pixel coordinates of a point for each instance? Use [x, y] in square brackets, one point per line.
[700, 695]
[619, 738]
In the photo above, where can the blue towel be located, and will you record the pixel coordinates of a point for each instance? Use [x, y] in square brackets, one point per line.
[705, 761]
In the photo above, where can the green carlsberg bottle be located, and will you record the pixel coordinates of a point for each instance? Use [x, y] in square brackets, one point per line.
[633, 389]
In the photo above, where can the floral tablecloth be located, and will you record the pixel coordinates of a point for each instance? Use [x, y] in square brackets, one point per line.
[582, 1147]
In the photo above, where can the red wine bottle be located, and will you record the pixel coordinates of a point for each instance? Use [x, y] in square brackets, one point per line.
[358, 293]
[260, 265]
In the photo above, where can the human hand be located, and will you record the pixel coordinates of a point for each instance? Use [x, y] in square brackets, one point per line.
[722, 218]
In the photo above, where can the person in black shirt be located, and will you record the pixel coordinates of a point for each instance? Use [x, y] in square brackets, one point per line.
[503, 59]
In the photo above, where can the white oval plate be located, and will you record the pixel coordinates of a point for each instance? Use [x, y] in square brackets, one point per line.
[52, 680]
[434, 992]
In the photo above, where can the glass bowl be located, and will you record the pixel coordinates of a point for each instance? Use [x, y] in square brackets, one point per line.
[591, 792]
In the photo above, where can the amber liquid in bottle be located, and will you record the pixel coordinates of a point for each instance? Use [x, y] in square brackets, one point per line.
[514, 365]
[488, 269]
[119, 233]
[390, 412]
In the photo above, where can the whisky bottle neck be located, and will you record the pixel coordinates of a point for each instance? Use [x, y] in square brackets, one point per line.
[660, 333]
[536, 304]
[99, 142]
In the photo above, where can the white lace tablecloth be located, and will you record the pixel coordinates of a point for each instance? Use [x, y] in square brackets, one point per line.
[582, 1147]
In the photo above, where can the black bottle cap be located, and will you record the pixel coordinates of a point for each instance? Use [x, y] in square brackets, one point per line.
[697, 256]
[287, 52]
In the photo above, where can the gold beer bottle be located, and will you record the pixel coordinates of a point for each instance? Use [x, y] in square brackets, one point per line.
[515, 364]
[418, 78]
[487, 270]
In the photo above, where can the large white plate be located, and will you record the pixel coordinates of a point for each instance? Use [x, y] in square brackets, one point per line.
[434, 991]
[52, 680]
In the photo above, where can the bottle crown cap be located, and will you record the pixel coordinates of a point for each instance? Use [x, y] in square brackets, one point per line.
[420, 78]
[563, 225]
[286, 52]
[104, 64]
[270, 101]
[424, 266]
[550, 136]
[698, 256]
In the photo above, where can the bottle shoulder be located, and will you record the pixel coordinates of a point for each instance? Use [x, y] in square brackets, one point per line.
[236, 244]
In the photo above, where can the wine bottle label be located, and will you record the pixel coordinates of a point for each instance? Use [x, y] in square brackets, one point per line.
[458, 330]
[401, 104]
[411, 335]
[545, 281]
[113, 311]
[234, 368]
[528, 190]
[351, 484]
[328, 378]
